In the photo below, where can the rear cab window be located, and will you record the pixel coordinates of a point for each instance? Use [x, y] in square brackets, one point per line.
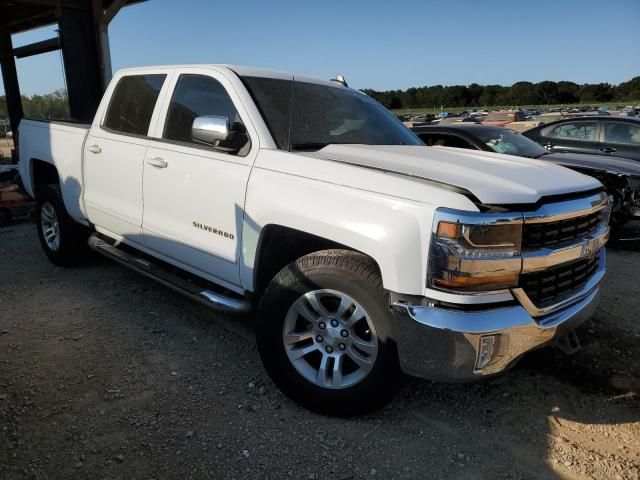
[132, 103]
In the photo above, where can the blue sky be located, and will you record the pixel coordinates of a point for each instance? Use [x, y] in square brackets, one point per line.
[376, 44]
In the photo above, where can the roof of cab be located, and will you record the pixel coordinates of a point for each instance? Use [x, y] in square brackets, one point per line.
[242, 71]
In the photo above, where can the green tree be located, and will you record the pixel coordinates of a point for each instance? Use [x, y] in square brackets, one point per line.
[520, 93]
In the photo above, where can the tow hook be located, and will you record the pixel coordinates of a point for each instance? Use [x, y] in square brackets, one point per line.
[569, 343]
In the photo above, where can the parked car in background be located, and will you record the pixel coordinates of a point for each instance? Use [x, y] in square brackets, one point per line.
[607, 135]
[524, 125]
[500, 119]
[620, 176]
[627, 111]
[463, 117]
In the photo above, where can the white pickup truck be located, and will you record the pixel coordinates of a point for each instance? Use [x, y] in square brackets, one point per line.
[364, 252]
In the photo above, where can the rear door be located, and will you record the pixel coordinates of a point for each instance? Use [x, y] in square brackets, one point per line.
[194, 194]
[621, 139]
[114, 153]
[577, 136]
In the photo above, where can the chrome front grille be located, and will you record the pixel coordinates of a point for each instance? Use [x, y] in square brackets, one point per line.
[562, 256]
[537, 235]
[546, 287]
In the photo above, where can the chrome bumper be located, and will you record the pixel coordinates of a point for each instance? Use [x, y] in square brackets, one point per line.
[457, 345]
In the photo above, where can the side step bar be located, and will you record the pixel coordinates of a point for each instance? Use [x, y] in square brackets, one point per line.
[214, 300]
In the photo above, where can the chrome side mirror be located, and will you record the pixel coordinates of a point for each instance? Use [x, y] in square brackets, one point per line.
[210, 129]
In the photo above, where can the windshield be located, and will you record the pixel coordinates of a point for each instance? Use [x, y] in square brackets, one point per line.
[507, 141]
[310, 116]
[499, 117]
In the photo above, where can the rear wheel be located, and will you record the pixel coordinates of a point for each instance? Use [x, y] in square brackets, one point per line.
[323, 334]
[63, 240]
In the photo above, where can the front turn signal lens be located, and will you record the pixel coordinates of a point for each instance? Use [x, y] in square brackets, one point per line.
[493, 281]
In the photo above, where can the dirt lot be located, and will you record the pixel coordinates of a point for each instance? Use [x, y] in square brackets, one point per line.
[104, 374]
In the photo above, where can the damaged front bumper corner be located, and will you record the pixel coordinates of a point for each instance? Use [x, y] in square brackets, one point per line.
[455, 345]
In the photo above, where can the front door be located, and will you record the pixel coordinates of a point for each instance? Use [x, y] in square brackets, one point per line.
[193, 193]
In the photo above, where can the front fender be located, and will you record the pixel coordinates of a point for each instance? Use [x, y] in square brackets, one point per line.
[393, 231]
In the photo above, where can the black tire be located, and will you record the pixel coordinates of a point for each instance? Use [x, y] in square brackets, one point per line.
[357, 276]
[5, 218]
[73, 246]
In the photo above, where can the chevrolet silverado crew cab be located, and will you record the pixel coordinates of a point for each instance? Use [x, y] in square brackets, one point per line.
[364, 252]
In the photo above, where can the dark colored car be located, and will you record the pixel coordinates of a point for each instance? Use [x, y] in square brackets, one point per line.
[620, 176]
[603, 135]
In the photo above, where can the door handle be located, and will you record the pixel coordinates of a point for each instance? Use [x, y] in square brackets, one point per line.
[608, 149]
[94, 148]
[157, 162]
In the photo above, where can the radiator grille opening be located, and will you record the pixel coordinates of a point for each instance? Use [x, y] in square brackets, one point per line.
[547, 287]
[537, 235]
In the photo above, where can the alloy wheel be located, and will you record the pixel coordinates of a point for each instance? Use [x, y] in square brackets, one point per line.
[50, 226]
[330, 339]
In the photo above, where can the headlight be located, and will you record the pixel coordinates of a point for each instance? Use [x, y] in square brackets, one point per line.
[474, 252]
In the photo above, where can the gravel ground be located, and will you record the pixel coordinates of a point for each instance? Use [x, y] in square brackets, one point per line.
[105, 374]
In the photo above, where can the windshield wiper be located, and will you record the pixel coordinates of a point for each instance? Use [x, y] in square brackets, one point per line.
[309, 146]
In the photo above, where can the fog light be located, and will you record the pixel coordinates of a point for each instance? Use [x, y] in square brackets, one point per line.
[485, 352]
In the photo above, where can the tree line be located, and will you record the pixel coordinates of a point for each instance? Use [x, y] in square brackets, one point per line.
[520, 93]
[53, 105]
[56, 105]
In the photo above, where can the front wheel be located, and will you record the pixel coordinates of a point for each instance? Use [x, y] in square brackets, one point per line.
[323, 334]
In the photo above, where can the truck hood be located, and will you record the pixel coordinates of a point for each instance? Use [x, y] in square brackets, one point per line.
[491, 177]
[606, 163]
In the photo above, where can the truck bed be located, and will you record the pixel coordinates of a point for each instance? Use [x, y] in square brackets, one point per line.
[58, 143]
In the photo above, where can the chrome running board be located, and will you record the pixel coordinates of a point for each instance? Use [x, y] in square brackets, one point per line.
[189, 287]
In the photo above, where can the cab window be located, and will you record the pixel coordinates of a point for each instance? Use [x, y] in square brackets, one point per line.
[622, 133]
[579, 131]
[132, 103]
[195, 96]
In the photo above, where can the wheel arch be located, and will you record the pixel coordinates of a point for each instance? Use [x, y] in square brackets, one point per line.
[279, 245]
[42, 173]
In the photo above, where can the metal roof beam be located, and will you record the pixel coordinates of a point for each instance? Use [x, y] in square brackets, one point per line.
[50, 3]
[45, 46]
[23, 13]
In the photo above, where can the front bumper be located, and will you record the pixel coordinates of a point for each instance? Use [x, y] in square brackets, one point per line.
[461, 345]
